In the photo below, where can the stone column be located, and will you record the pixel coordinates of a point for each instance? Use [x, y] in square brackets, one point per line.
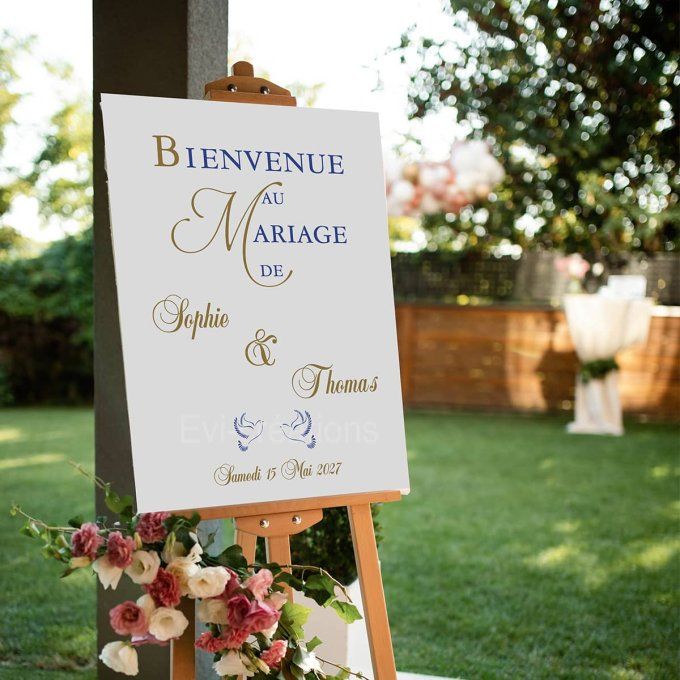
[161, 49]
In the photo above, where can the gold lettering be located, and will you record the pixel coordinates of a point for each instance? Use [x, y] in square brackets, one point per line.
[160, 150]
[229, 237]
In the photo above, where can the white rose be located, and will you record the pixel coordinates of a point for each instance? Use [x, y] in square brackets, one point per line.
[147, 605]
[213, 611]
[196, 550]
[208, 582]
[172, 549]
[233, 663]
[183, 568]
[108, 574]
[120, 657]
[144, 566]
[307, 660]
[167, 623]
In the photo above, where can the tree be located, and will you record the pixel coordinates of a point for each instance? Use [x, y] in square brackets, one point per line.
[46, 293]
[579, 98]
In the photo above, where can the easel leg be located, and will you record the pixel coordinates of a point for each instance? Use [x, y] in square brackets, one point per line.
[248, 543]
[372, 594]
[183, 660]
[278, 550]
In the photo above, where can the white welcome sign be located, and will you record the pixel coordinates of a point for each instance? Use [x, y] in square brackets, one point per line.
[255, 299]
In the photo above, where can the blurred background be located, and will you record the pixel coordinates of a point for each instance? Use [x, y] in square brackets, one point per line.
[531, 152]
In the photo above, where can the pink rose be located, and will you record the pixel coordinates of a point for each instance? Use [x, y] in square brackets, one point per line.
[229, 639]
[128, 619]
[164, 589]
[119, 550]
[274, 655]
[150, 526]
[233, 584]
[259, 583]
[209, 643]
[276, 600]
[86, 541]
[260, 617]
[238, 608]
[234, 638]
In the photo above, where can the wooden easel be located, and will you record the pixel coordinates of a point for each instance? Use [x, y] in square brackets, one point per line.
[277, 521]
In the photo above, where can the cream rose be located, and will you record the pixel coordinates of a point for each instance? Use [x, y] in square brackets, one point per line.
[183, 568]
[109, 576]
[172, 549]
[147, 605]
[120, 657]
[208, 582]
[144, 566]
[233, 663]
[167, 623]
[212, 611]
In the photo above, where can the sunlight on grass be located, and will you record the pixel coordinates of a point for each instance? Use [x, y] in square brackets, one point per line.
[27, 461]
[10, 434]
[663, 471]
[658, 555]
[567, 527]
[552, 557]
[620, 673]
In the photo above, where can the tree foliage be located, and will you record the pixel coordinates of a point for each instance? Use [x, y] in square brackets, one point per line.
[579, 97]
[46, 293]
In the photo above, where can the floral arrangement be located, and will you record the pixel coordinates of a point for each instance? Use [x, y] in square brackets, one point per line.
[431, 188]
[573, 268]
[252, 629]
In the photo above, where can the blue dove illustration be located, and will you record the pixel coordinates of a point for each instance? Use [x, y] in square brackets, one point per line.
[298, 430]
[247, 431]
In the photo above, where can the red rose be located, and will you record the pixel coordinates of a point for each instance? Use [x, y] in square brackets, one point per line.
[119, 550]
[164, 590]
[150, 526]
[86, 541]
[238, 608]
[128, 619]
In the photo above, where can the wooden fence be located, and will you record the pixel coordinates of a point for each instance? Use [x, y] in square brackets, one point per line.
[522, 359]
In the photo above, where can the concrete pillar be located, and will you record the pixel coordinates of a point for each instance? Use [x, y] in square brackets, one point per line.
[162, 49]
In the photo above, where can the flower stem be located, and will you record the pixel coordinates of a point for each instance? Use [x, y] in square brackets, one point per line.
[323, 572]
[98, 481]
[16, 510]
[343, 668]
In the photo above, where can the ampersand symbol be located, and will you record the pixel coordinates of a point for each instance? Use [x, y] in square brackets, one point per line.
[258, 352]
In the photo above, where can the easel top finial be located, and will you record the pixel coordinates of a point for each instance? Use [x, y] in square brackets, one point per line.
[242, 86]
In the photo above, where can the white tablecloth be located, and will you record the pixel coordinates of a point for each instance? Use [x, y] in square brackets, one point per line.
[600, 327]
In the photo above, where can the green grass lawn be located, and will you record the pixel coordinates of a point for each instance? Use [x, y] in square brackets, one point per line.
[521, 553]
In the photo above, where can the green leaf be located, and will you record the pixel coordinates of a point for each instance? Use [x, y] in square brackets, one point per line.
[76, 522]
[294, 616]
[116, 503]
[346, 611]
[313, 643]
[232, 557]
[320, 588]
[293, 581]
